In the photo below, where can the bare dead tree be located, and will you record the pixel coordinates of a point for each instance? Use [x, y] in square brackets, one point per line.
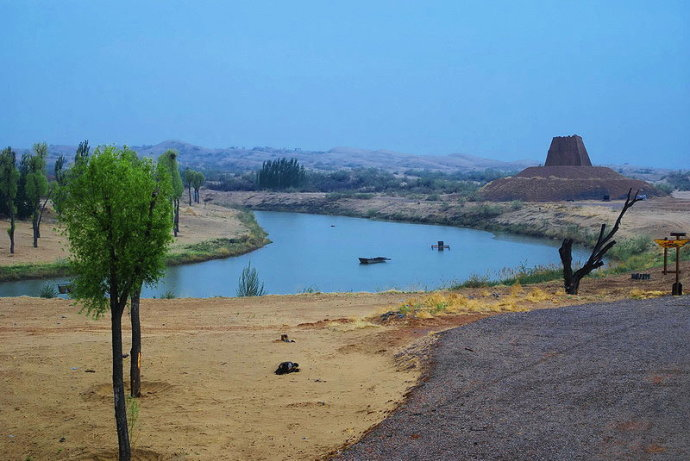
[571, 280]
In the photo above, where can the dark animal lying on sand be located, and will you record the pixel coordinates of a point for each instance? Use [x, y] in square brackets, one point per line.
[287, 367]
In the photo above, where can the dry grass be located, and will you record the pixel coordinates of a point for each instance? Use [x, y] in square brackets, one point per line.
[513, 299]
[637, 293]
[354, 324]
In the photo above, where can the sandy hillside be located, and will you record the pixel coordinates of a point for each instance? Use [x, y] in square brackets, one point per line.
[210, 391]
[197, 223]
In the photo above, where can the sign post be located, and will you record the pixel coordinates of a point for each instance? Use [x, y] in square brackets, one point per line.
[677, 242]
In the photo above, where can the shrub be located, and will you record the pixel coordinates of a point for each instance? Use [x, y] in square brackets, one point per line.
[516, 205]
[628, 248]
[170, 294]
[249, 284]
[48, 291]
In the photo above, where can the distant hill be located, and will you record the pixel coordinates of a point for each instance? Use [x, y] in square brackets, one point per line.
[243, 159]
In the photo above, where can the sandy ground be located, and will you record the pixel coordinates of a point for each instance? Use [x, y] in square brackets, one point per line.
[210, 391]
[654, 218]
[209, 388]
[197, 223]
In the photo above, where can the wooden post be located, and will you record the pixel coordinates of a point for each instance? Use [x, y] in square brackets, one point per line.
[677, 289]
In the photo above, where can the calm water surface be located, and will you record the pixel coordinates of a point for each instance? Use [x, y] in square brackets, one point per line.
[319, 253]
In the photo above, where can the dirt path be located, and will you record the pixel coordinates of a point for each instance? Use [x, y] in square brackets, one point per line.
[598, 381]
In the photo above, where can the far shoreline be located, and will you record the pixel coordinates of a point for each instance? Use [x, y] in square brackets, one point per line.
[219, 247]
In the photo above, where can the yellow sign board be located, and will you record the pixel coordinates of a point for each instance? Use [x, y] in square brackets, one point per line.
[671, 243]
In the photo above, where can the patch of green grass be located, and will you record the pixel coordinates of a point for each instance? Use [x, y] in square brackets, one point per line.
[474, 281]
[538, 274]
[223, 247]
[33, 271]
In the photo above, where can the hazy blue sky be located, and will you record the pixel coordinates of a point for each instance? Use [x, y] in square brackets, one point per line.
[491, 78]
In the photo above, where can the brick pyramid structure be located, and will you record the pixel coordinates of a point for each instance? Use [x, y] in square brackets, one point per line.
[567, 151]
[567, 174]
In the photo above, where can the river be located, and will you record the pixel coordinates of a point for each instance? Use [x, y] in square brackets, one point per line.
[320, 253]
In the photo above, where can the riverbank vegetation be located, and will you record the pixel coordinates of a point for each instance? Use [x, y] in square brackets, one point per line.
[253, 238]
[206, 250]
[288, 175]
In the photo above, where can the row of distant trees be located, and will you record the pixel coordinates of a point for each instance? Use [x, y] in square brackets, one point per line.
[280, 174]
[284, 174]
[193, 180]
[679, 180]
[23, 185]
[26, 186]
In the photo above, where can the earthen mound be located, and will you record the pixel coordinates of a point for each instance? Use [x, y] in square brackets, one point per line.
[555, 183]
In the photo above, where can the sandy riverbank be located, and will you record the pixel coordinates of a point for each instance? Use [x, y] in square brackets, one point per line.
[654, 218]
[197, 224]
[210, 391]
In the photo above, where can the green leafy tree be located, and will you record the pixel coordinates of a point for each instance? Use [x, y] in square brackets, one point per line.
[198, 180]
[188, 177]
[60, 172]
[36, 187]
[116, 214]
[167, 163]
[280, 174]
[82, 152]
[9, 180]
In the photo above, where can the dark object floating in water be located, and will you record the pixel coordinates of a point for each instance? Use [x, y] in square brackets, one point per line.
[379, 259]
[440, 246]
[287, 367]
[64, 289]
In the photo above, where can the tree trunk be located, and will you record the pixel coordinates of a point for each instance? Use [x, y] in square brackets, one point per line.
[571, 280]
[34, 225]
[190, 195]
[10, 232]
[176, 216]
[40, 216]
[124, 450]
[565, 251]
[135, 352]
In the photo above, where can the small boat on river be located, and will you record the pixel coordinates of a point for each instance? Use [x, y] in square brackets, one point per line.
[378, 259]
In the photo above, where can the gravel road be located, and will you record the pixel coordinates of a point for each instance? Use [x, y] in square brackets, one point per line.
[597, 381]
